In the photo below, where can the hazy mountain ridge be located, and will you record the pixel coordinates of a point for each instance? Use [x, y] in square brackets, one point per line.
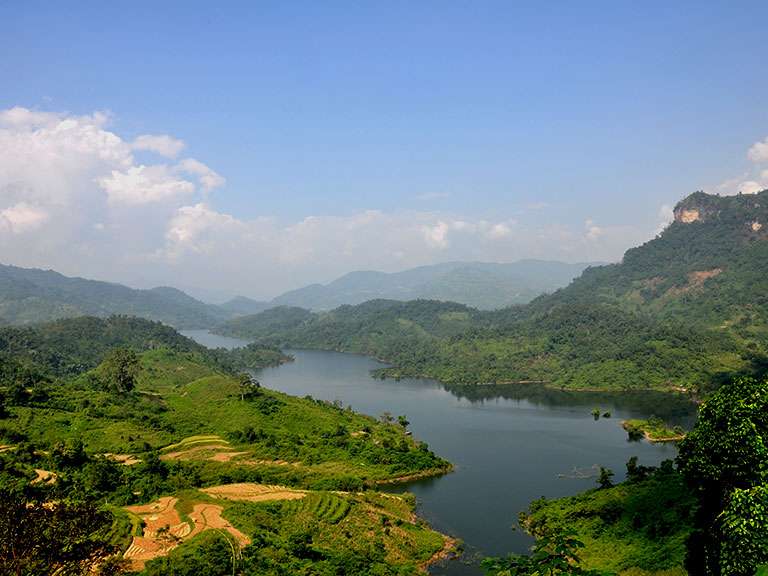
[482, 285]
[30, 295]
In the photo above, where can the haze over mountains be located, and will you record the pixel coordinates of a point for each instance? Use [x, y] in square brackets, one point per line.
[30, 295]
[482, 285]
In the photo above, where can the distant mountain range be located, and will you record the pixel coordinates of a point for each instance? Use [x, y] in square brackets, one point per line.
[482, 285]
[28, 296]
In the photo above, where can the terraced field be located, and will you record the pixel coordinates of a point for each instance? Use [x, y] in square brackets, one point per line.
[325, 506]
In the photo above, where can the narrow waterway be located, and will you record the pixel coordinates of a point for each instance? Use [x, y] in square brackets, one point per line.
[510, 444]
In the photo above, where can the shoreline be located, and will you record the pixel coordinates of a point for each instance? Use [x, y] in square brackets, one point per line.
[450, 549]
[431, 473]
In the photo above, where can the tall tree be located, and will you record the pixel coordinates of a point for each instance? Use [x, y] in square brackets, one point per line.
[120, 369]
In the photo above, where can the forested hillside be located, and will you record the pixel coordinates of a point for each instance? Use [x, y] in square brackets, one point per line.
[679, 310]
[125, 446]
[28, 296]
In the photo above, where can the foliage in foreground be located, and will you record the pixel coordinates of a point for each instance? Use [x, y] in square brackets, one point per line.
[725, 460]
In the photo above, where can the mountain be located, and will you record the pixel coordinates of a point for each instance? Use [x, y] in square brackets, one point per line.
[680, 311]
[31, 295]
[240, 306]
[483, 285]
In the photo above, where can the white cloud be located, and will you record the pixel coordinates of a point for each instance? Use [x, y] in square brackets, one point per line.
[593, 231]
[499, 230]
[666, 216]
[193, 229]
[751, 181]
[208, 178]
[436, 235]
[752, 186]
[758, 152]
[22, 217]
[162, 144]
[144, 184]
[19, 117]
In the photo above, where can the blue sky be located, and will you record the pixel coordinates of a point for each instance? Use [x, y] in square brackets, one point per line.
[557, 120]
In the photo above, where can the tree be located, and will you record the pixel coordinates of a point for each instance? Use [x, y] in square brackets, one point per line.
[41, 538]
[744, 530]
[249, 386]
[120, 369]
[725, 460]
[552, 554]
[604, 480]
[403, 421]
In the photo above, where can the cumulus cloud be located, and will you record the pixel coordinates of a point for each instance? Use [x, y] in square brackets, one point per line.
[754, 180]
[208, 178]
[758, 152]
[73, 197]
[592, 230]
[143, 185]
[162, 144]
[22, 217]
[436, 235]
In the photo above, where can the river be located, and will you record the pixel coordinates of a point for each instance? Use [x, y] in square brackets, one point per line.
[510, 444]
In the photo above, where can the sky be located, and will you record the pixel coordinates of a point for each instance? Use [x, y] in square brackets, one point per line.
[254, 147]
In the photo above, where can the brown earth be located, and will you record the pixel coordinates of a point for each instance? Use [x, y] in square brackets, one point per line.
[44, 476]
[251, 492]
[164, 529]
[124, 459]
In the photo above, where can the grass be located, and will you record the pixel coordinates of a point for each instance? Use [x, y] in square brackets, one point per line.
[632, 529]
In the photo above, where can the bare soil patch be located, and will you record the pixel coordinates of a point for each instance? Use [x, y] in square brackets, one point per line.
[250, 492]
[124, 459]
[195, 452]
[164, 529]
[44, 477]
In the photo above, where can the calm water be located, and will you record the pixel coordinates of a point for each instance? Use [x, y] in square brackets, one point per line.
[510, 445]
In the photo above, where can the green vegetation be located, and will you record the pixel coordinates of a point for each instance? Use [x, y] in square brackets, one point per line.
[636, 528]
[653, 429]
[121, 411]
[724, 460]
[687, 307]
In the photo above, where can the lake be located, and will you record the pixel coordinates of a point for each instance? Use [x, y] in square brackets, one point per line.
[510, 444]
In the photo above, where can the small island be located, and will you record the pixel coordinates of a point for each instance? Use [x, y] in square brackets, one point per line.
[653, 429]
